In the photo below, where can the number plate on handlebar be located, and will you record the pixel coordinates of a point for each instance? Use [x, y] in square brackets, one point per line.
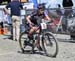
[43, 26]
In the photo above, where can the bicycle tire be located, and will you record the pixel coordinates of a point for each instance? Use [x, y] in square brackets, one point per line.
[48, 46]
[22, 46]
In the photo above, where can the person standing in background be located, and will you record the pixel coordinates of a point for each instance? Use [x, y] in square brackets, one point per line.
[15, 7]
[67, 4]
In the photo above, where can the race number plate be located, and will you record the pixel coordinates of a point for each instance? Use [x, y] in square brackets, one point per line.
[43, 26]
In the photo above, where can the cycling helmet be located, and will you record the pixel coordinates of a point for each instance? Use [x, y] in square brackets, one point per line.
[41, 6]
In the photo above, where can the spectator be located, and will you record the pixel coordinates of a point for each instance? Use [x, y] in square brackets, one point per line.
[1, 26]
[15, 7]
[68, 4]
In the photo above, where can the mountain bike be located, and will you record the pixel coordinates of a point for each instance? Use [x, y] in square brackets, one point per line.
[48, 42]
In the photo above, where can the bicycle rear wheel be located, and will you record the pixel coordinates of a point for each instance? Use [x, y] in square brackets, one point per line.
[49, 44]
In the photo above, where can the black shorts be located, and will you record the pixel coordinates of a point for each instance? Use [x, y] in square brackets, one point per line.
[27, 26]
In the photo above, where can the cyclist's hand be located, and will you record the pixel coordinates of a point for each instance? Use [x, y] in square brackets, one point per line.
[31, 24]
[50, 21]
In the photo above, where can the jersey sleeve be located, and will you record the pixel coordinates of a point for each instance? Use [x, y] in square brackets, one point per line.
[45, 12]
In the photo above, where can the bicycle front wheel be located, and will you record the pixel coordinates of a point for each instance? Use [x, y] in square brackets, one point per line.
[49, 44]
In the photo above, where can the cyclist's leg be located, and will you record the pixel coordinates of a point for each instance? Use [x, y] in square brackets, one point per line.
[32, 29]
[37, 30]
[38, 38]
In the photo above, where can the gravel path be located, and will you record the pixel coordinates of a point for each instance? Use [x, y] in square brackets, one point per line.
[9, 51]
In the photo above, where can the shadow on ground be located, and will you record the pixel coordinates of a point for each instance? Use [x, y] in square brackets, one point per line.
[30, 52]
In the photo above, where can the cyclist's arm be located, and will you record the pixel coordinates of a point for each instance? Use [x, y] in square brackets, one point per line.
[28, 19]
[47, 16]
[30, 16]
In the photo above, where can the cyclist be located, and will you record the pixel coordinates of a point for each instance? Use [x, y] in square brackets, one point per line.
[32, 19]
